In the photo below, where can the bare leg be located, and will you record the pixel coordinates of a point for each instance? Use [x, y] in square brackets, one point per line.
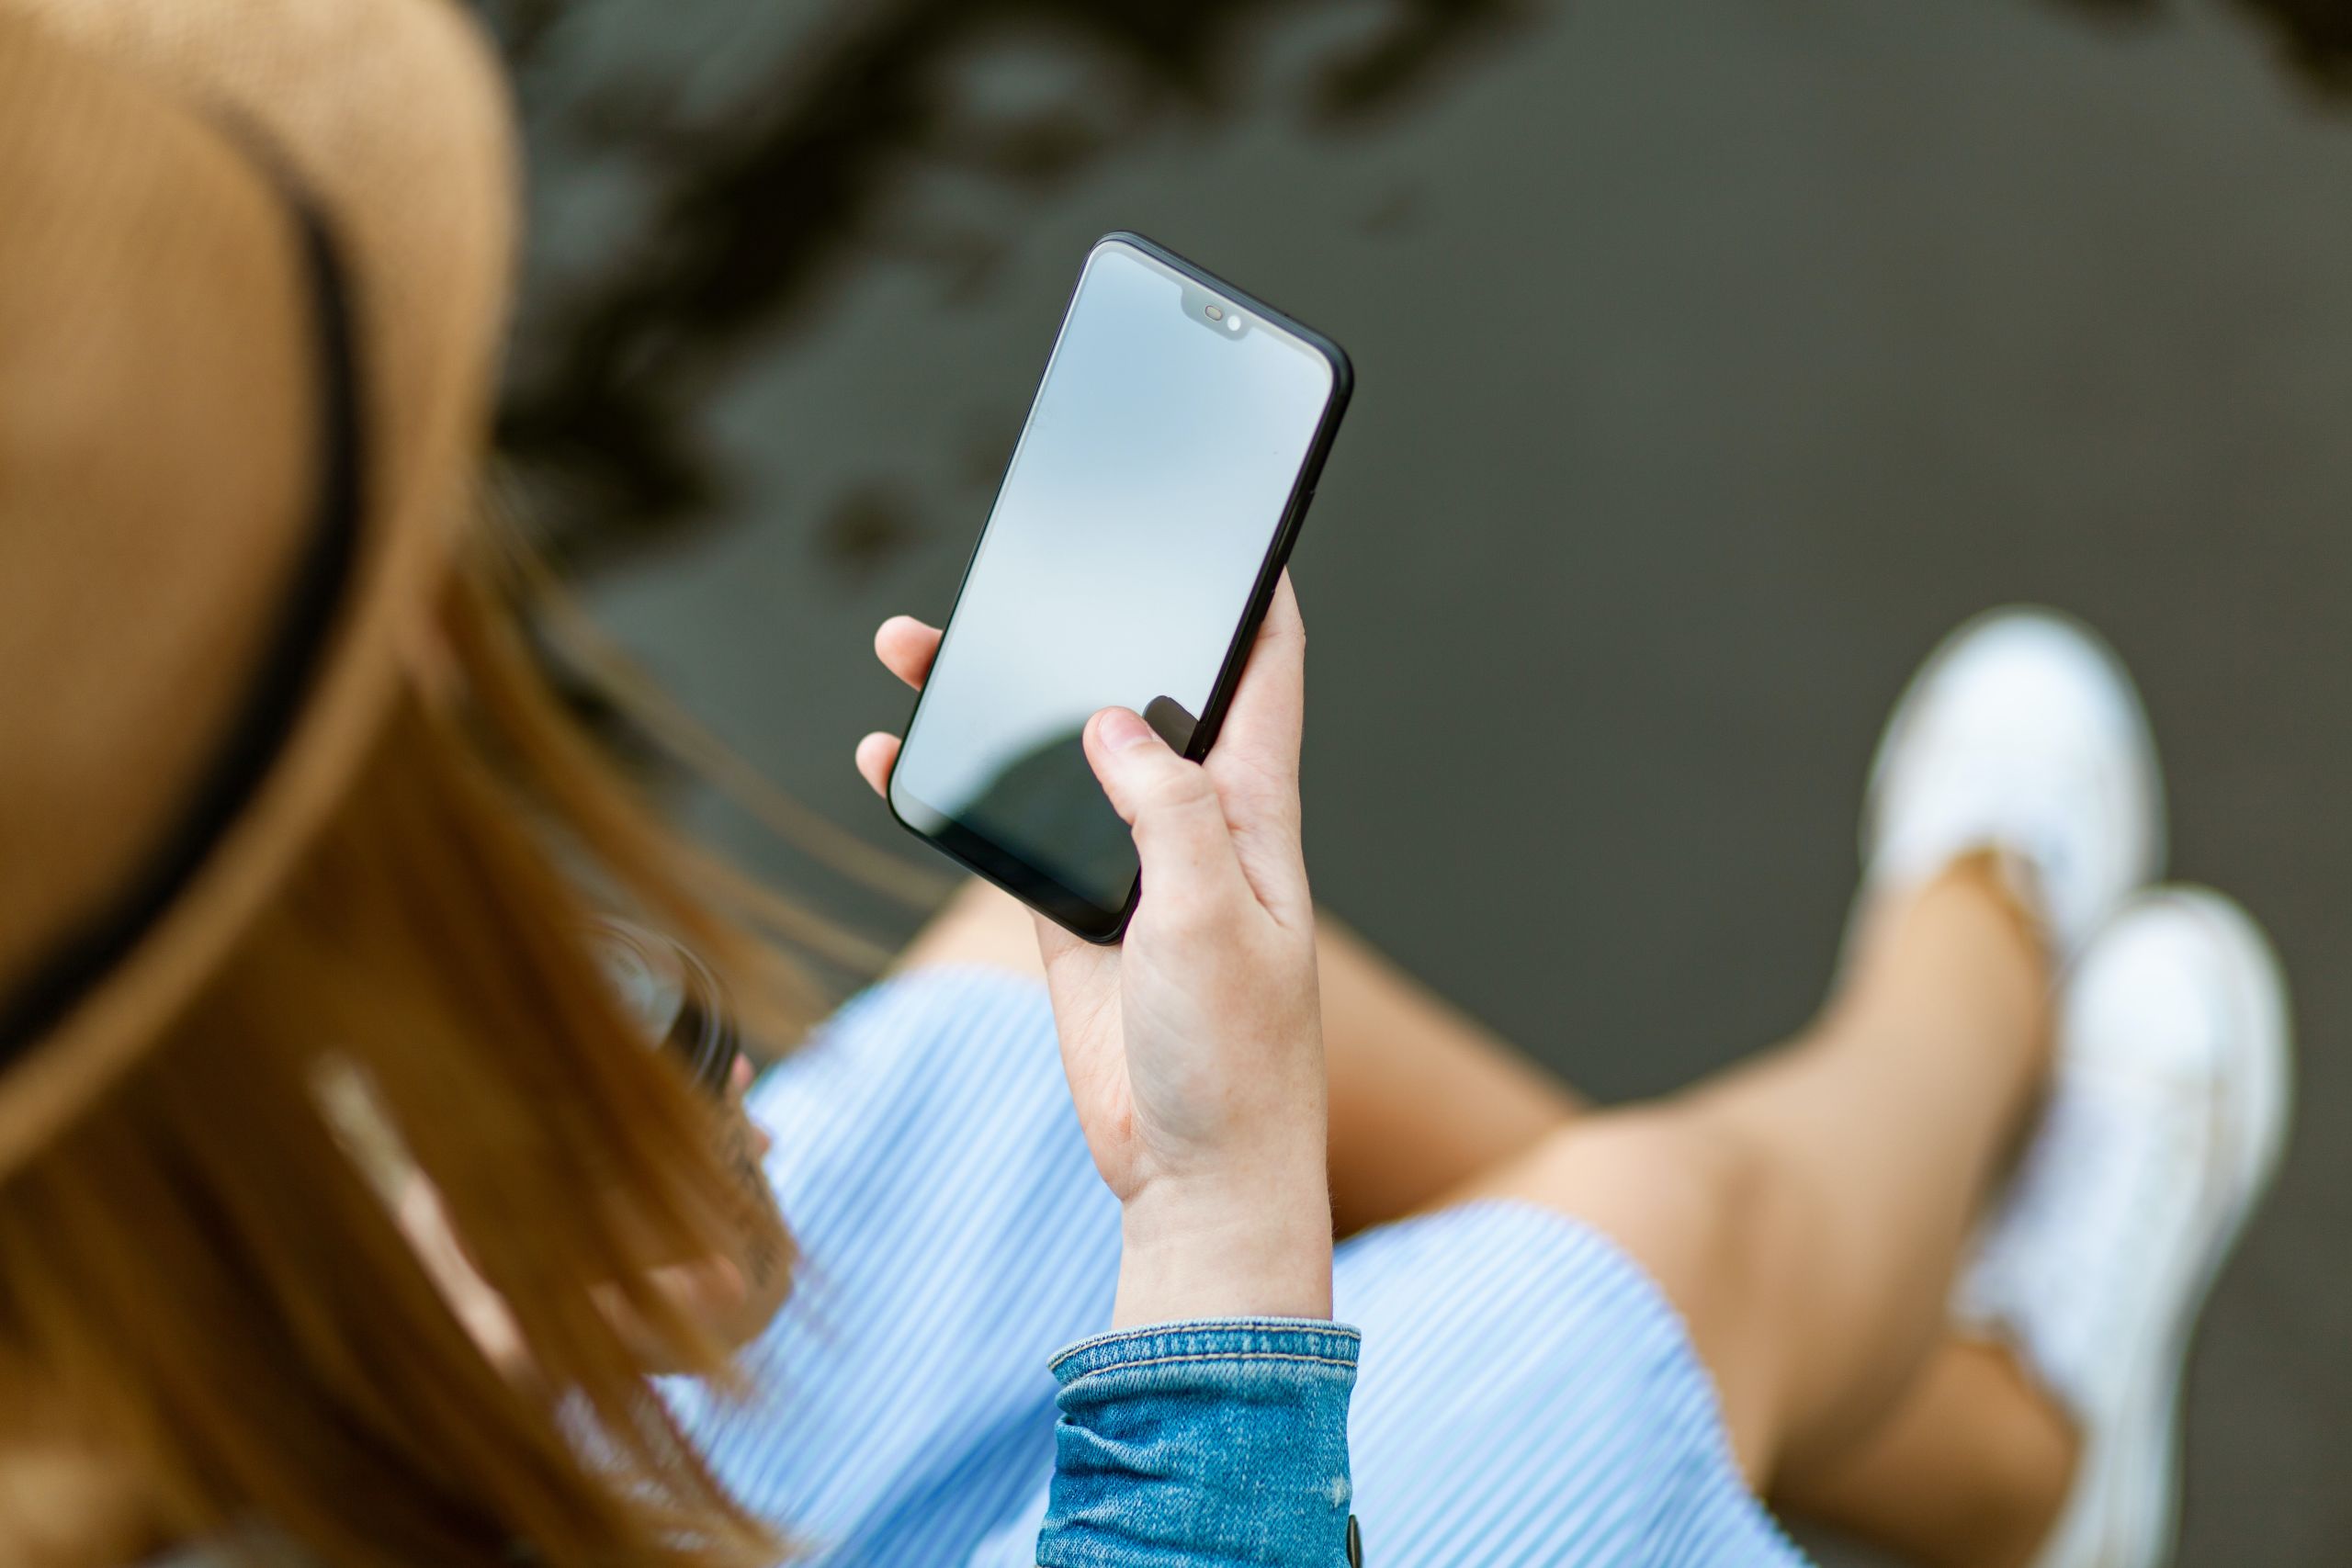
[1806, 1212]
[1968, 1472]
[1422, 1096]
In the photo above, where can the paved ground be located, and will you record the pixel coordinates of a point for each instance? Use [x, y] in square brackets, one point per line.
[1713, 359]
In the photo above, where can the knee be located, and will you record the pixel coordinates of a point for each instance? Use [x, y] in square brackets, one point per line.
[1707, 1210]
[1696, 1202]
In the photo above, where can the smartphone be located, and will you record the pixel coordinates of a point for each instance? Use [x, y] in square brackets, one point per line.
[1165, 468]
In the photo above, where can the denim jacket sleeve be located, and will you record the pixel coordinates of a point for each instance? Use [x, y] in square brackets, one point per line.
[1190, 1444]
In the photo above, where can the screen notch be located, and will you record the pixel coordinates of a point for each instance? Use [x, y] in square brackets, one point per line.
[1213, 312]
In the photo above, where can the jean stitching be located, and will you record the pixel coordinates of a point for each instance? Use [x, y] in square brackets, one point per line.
[1222, 1356]
[1207, 1328]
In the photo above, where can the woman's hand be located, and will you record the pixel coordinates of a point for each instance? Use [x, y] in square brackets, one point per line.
[1195, 1050]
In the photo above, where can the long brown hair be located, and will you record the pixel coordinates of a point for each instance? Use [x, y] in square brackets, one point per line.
[212, 1321]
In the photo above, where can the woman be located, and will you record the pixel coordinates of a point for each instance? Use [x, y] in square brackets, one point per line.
[345, 1216]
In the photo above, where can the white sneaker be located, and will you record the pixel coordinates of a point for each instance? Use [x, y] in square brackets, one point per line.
[2167, 1113]
[2021, 734]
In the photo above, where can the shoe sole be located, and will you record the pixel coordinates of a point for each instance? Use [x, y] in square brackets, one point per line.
[2135, 1496]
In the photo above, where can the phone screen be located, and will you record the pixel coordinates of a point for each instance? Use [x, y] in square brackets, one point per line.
[1134, 534]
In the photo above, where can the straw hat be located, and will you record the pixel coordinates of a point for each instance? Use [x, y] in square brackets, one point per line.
[253, 261]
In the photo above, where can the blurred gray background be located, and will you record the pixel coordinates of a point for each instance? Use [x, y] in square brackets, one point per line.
[1714, 359]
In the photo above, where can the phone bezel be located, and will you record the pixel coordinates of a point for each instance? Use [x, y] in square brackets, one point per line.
[1059, 903]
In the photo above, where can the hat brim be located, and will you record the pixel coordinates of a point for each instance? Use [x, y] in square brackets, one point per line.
[392, 120]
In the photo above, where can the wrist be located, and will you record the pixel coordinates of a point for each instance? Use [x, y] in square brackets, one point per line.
[1187, 1252]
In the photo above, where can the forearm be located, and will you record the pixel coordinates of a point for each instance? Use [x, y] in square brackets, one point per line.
[1217, 1432]
[1256, 1244]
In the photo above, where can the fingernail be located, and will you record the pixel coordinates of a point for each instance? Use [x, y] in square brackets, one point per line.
[1118, 729]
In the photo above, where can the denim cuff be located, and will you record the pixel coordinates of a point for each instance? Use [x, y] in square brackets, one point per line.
[1221, 1441]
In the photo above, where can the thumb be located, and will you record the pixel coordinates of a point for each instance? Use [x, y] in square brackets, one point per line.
[1179, 822]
